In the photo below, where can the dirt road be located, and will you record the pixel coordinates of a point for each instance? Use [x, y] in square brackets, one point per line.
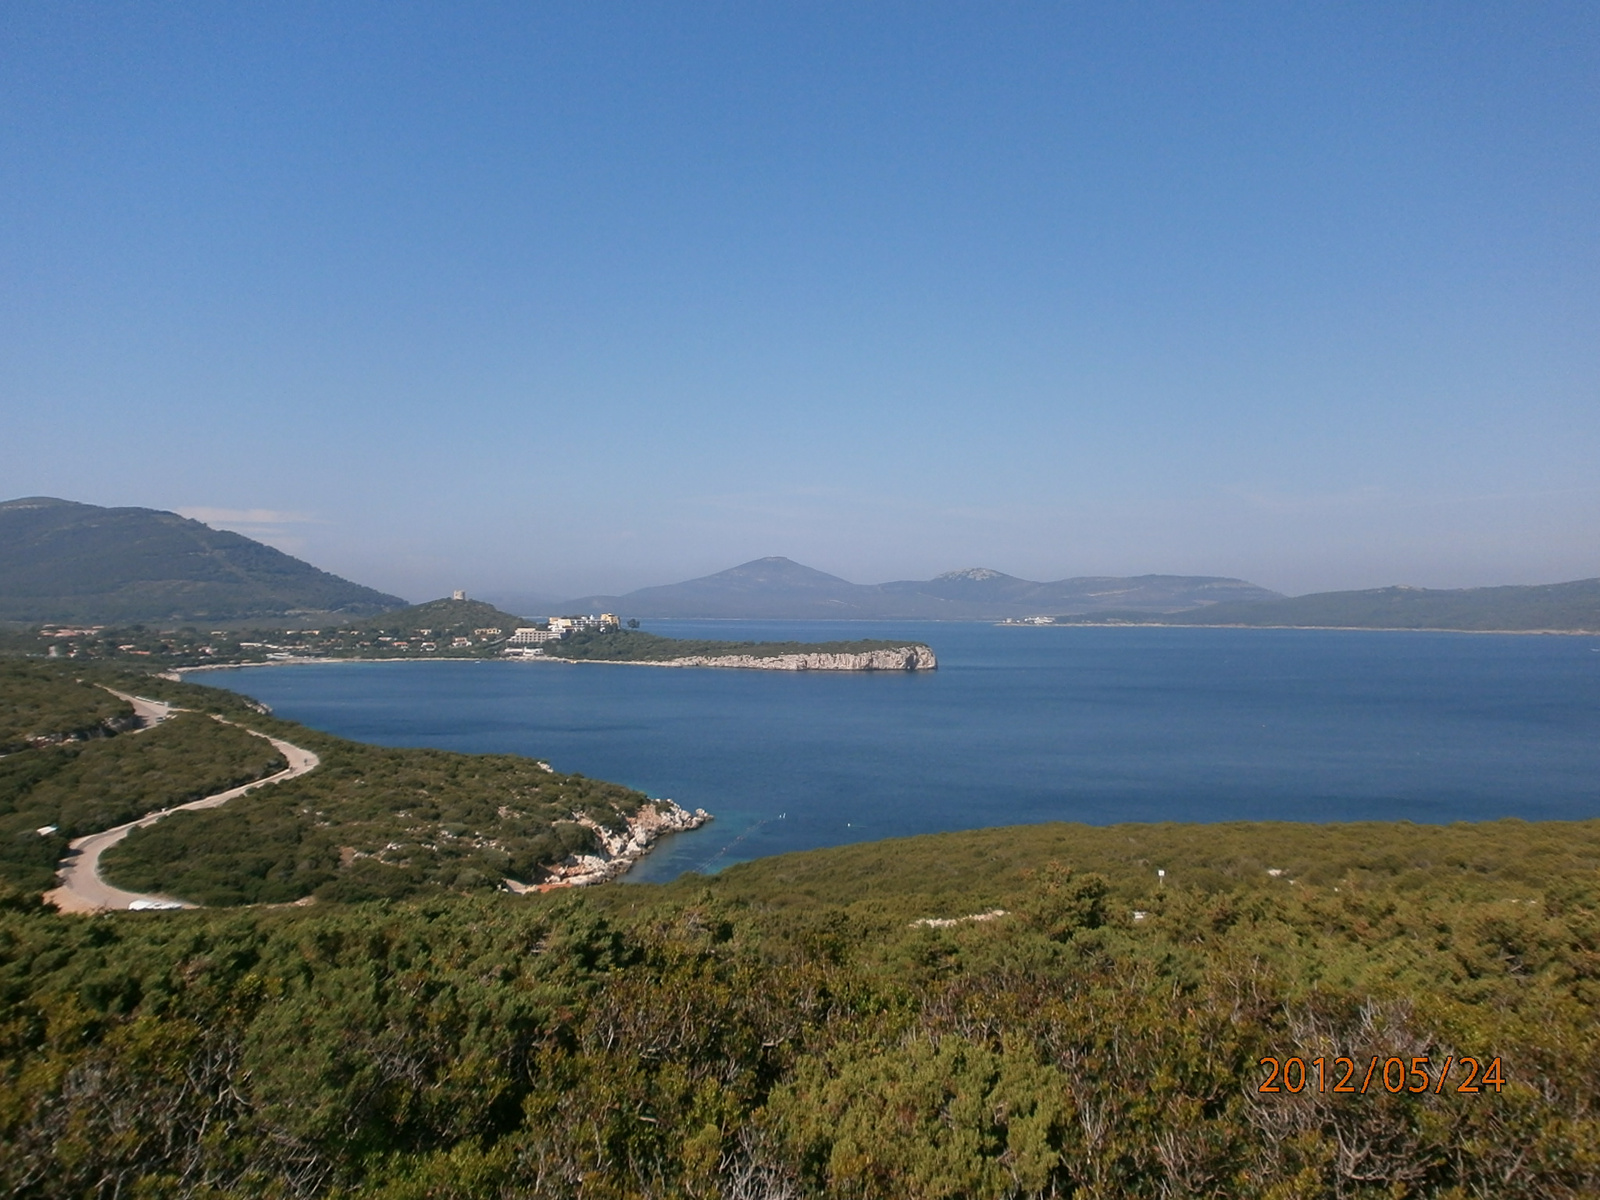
[82, 890]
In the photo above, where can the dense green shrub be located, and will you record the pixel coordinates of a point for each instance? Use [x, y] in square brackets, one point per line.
[42, 702]
[700, 1040]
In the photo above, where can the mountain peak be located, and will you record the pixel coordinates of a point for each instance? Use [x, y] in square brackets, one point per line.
[776, 569]
[27, 502]
[976, 574]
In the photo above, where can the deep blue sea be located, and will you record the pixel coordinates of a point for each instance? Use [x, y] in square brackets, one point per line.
[1017, 725]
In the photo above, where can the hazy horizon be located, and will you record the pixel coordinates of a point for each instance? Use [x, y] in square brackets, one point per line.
[574, 300]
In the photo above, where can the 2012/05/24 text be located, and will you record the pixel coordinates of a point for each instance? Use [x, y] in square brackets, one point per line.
[1395, 1075]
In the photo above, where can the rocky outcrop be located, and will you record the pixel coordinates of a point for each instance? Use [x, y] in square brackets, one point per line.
[109, 727]
[899, 658]
[619, 849]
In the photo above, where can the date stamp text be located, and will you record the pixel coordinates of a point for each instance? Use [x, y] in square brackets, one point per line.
[1350, 1076]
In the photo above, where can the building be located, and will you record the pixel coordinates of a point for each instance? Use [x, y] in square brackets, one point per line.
[604, 623]
[528, 635]
[458, 594]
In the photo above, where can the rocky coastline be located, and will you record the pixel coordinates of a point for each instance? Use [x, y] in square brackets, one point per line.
[619, 850]
[910, 657]
[913, 657]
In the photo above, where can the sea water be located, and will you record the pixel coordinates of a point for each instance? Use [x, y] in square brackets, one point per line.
[1018, 724]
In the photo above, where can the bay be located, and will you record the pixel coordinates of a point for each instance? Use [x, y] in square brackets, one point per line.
[1018, 725]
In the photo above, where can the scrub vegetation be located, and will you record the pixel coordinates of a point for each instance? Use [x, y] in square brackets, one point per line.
[374, 822]
[40, 704]
[78, 788]
[787, 1029]
[369, 822]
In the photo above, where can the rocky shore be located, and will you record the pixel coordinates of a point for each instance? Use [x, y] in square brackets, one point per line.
[900, 658]
[618, 850]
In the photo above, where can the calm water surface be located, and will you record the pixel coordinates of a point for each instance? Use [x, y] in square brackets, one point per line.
[1017, 725]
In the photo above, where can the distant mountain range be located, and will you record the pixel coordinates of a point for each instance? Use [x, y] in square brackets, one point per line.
[63, 561]
[781, 589]
[67, 562]
[1569, 607]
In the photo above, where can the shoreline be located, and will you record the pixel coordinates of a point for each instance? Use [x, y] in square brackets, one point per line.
[913, 656]
[1303, 628]
[779, 663]
[618, 851]
[907, 658]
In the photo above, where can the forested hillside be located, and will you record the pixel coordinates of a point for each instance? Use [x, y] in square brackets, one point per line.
[63, 561]
[42, 705]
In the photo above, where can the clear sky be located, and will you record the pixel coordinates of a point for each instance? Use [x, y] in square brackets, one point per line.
[561, 298]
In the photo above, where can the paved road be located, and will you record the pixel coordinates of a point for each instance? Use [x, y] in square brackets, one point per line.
[82, 890]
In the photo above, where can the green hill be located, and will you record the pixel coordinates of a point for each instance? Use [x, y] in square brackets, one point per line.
[441, 618]
[1568, 607]
[63, 561]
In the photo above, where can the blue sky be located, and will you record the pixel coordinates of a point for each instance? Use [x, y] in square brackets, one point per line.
[560, 298]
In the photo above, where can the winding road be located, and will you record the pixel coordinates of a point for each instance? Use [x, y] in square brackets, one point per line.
[82, 889]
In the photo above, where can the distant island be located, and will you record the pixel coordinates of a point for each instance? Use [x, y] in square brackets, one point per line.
[1553, 608]
[781, 589]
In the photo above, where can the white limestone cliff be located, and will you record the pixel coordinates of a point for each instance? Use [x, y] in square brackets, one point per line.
[619, 849]
[898, 658]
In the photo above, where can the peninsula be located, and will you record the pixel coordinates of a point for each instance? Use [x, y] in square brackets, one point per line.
[651, 650]
[455, 628]
[123, 789]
